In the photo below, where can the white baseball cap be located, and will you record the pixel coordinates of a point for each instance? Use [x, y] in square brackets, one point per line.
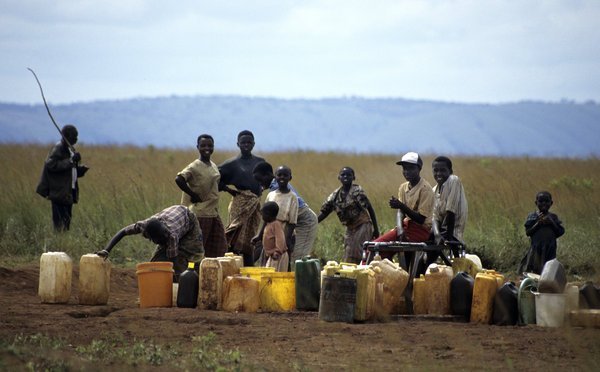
[411, 158]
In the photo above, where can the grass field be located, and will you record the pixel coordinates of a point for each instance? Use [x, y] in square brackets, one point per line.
[126, 184]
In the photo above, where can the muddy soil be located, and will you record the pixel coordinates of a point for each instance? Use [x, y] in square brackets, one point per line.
[297, 339]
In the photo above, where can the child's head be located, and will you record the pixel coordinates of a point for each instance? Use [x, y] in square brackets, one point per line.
[205, 145]
[283, 176]
[346, 176]
[543, 201]
[442, 169]
[269, 211]
[263, 174]
[411, 164]
[245, 142]
[156, 231]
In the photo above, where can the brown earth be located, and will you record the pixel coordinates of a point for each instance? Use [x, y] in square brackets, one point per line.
[296, 340]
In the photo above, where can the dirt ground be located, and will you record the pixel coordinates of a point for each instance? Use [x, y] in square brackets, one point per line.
[295, 340]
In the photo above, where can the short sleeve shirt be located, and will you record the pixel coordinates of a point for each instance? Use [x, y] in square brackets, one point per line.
[178, 222]
[419, 198]
[274, 238]
[351, 209]
[288, 206]
[274, 186]
[450, 197]
[203, 179]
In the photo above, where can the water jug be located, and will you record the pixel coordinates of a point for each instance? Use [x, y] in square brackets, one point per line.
[330, 269]
[187, 292]
[395, 280]
[308, 283]
[463, 264]
[526, 301]
[94, 280]
[553, 278]
[229, 266]
[277, 291]
[338, 299]
[155, 284]
[484, 292]
[420, 296]
[550, 309]
[378, 312]
[56, 271]
[585, 318]
[461, 294]
[211, 281]
[437, 280]
[255, 272]
[499, 277]
[239, 260]
[506, 307]
[572, 304]
[241, 294]
[475, 259]
[365, 294]
[591, 296]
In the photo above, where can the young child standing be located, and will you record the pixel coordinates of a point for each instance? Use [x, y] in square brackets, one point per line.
[273, 238]
[543, 228]
[354, 210]
[287, 202]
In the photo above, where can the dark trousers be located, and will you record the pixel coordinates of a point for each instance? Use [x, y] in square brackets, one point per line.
[61, 216]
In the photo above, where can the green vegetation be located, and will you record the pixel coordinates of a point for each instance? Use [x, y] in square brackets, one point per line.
[126, 184]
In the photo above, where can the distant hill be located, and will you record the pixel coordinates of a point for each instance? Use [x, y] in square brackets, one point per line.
[564, 129]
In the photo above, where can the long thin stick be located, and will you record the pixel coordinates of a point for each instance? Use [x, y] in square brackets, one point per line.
[49, 113]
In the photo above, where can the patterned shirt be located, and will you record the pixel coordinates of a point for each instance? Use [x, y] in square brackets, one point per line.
[203, 179]
[450, 197]
[351, 209]
[176, 218]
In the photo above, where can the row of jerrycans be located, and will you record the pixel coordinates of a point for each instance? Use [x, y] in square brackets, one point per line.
[358, 293]
[56, 272]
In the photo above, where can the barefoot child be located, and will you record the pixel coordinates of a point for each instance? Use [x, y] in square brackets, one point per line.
[287, 202]
[354, 211]
[273, 238]
[543, 228]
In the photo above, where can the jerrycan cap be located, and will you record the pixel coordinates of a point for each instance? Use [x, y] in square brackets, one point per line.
[191, 265]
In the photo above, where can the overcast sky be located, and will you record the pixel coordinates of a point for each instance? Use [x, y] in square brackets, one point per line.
[451, 50]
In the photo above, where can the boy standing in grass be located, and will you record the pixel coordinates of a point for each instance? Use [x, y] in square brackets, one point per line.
[543, 228]
[199, 182]
[414, 203]
[273, 238]
[59, 178]
[287, 202]
[244, 209]
[450, 206]
[354, 211]
[306, 224]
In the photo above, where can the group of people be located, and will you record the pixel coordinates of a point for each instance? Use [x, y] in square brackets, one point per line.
[193, 229]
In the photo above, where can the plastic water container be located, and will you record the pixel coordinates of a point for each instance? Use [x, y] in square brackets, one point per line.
[553, 278]
[585, 318]
[211, 281]
[461, 294]
[484, 292]
[240, 294]
[420, 296]
[550, 309]
[365, 294]
[308, 283]
[395, 280]
[229, 266]
[463, 264]
[187, 292]
[506, 307]
[475, 259]
[94, 280]
[155, 284]
[277, 291]
[330, 269]
[590, 296]
[239, 260]
[255, 272]
[338, 299]
[526, 301]
[437, 280]
[572, 304]
[56, 272]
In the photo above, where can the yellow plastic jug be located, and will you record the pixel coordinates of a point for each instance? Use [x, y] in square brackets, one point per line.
[484, 292]
[278, 291]
[56, 272]
[94, 280]
[420, 296]
[241, 294]
[395, 280]
[155, 284]
[364, 308]
[437, 281]
[211, 281]
[255, 272]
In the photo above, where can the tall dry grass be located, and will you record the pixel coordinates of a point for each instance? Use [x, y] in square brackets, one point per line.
[126, 184]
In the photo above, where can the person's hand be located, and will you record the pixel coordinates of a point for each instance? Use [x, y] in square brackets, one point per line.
[76, 157]
[195, 198]
[395, 203]
[82, 170]
[103, 253]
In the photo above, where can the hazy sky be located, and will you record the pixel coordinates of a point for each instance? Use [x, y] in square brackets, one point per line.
[451, 50]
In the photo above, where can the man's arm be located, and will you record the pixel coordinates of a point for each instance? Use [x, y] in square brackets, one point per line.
[373, 219]
[183, 186]
[413, 215]
[128, 230]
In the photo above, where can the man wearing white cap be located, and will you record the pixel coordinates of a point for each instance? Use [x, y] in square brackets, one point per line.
[414, 205]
